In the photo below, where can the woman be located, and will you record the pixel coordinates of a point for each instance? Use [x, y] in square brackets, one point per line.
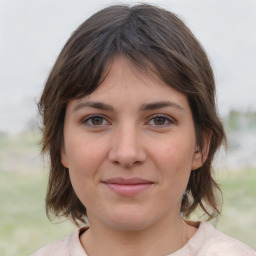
[130, 124]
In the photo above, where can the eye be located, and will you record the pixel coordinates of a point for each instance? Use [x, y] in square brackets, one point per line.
[95, 121]
[161, 120]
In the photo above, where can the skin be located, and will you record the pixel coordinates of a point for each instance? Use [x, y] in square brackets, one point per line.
[126, 137]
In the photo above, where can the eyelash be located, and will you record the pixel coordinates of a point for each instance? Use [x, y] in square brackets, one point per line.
[167, 119]
[87, 121]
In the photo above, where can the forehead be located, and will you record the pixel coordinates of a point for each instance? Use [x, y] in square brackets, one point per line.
[123, 83]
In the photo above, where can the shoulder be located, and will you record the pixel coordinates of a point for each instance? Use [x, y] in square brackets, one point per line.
[68, 246]
[57, 248]
[217, 243]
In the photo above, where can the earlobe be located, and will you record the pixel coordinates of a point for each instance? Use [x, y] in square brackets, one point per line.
[64, 160]
[200, 156]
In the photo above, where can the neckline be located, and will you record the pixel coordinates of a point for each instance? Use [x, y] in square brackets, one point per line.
[76, 248]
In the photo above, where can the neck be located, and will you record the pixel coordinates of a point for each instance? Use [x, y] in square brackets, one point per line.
[163, 238]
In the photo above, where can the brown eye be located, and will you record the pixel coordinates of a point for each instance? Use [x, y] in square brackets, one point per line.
[97, 120]
[159, 120]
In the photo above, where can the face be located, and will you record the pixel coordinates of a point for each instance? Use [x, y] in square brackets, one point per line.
[130, 147]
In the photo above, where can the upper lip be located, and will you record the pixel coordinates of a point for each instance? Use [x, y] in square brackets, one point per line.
[127, 181]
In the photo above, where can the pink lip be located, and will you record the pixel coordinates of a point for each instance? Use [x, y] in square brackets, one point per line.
[128, 187]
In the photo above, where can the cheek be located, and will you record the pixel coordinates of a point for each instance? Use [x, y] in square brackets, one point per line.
[174, 161]
[84, 160]
[83, 166]
[84, 154]
[176, 155]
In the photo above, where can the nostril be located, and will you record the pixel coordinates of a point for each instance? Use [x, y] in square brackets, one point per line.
[116, 162]
[127, 163]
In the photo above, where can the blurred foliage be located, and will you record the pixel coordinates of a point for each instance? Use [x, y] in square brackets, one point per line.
[239, 207]
[237, 120]
[20, 152]
[24, 226]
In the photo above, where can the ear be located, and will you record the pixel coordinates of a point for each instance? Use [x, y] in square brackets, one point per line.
[64, 159]
[200, 156]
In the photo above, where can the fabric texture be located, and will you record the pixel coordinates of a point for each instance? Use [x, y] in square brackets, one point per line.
[207, 241]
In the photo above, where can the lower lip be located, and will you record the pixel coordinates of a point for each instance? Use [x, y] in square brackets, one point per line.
[129, 189]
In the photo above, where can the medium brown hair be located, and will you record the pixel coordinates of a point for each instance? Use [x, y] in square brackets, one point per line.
[155, 40]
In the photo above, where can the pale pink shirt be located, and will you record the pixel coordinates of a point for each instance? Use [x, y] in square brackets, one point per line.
[207, 241]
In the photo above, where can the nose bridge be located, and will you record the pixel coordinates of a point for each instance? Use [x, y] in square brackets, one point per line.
[127, 147]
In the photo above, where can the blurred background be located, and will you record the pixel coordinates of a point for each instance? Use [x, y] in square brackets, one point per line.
[32, 33]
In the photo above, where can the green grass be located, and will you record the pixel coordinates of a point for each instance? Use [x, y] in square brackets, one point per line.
[239, 208]
[24, 226]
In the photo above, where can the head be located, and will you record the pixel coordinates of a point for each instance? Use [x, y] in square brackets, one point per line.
[159, 44]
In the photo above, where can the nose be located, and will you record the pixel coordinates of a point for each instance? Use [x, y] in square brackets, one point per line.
[127, 148]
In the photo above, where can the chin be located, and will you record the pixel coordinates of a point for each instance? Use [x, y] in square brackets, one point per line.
[130, 221]
[130, 225]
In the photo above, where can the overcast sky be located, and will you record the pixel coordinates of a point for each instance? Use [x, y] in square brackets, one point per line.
[32, 33]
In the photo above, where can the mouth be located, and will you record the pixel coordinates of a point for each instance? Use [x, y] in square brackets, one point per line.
[128, 187]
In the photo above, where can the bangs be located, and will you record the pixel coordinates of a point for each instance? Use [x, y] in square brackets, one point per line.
[91, 48]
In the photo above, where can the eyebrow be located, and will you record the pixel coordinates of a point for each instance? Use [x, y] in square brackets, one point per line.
[161, 104]
[92, 104]
[144, 107]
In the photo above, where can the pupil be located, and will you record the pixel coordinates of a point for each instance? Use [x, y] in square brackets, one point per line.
[97, 120]
[159, 120]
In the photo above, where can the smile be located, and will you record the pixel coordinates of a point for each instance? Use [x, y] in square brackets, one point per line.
[128, 187]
